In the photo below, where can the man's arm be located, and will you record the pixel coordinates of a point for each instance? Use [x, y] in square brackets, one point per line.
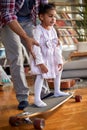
[9, 18]
[15, 26]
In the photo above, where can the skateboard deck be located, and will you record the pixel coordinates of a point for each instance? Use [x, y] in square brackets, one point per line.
[52, 103]
[33, 111]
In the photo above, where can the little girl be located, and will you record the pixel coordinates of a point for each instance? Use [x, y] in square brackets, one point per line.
[48, 63]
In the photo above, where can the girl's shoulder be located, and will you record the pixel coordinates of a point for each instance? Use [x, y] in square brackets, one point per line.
[37, 29]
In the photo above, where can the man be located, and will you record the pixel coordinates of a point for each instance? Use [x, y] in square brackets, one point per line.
[17, 18]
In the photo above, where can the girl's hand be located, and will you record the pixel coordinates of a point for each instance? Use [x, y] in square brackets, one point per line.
[60, 67]
[43, 68]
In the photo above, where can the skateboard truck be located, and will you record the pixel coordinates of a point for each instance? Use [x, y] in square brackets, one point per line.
[38, 123]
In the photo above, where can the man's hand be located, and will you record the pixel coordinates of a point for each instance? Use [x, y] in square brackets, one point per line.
[43, 68]
[30, 42]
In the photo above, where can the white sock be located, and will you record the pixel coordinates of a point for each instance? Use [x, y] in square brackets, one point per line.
[38, 87]
[60, 93]
[57, 91]
[40, 103]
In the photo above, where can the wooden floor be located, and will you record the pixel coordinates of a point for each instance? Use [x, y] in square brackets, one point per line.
[70, 116]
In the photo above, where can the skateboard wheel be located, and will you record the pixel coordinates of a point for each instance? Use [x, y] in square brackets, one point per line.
[78, 98]
[39, 123]
[14, 121]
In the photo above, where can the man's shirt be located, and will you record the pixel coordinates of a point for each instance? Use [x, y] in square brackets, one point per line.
[9, 9]
[24, 14]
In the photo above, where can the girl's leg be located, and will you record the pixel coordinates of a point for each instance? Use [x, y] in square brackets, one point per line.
[57, 91]
[38, 87]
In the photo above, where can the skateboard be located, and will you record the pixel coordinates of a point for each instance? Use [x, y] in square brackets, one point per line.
[33, 111]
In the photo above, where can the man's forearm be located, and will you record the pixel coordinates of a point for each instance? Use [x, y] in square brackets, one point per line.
[15, 26]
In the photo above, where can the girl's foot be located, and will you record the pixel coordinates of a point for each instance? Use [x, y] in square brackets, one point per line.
[61, 94]
[40, 103]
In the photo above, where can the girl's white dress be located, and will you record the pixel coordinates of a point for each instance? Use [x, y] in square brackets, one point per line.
[49, 53]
